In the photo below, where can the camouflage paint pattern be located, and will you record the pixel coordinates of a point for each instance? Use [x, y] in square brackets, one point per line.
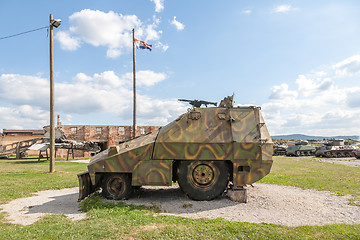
[237, 134]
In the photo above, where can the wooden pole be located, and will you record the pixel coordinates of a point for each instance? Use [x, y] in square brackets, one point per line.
[52, 115]
[134, 86]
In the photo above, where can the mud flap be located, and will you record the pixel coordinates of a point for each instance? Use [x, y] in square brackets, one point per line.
[85, 186]
[237, 194]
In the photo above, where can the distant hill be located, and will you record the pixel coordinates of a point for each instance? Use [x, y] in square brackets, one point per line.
[307, 137]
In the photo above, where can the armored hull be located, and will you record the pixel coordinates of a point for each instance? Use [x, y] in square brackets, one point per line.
[203, 149]
[357, 153]
[336, 149]
[301, 148]
[280, 150]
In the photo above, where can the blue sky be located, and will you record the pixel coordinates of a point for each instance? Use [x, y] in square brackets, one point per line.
[298, 60]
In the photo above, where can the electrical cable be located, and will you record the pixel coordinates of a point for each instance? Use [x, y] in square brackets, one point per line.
[23, 33]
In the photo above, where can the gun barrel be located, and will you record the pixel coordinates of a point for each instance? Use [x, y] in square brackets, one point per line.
[185, 100]
[198, 103]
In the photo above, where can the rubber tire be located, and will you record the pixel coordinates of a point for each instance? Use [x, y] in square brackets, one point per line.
[108, 186]
[201, 192]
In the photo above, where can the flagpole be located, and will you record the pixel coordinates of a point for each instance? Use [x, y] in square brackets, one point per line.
[134, 86]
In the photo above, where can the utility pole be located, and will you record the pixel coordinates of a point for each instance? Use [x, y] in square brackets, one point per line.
[52, 127]
[53, 23]
[134, 86]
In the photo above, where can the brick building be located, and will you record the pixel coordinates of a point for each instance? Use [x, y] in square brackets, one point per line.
[104, 136]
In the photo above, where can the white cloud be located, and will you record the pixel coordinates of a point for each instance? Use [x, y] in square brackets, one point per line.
[164, 47]
[146, 78]
[282, 92]
[151, 32]
[348, 67]
[100, 94]
[178, 25]
[21, 89]
[113, 52]
[159, 5]
[247, 12]
[308, 86]
[283, 9]
[353, 98]
[321, 104]
[111, 29]
[23, 117]
[67, 42]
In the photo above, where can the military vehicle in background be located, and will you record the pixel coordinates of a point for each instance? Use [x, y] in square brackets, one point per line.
[204, 150]
[279, 149]
[301, 148]
[336, 149]
[357, 153]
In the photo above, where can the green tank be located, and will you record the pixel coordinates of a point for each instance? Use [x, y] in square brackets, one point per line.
[301, 148]
[205, 150]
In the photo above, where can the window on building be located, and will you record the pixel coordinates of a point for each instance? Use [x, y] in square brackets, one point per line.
[142, 131]
[73, 130]
[121, 130]
[98, 130]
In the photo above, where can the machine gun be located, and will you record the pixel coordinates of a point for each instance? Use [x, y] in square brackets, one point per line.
[198, 103]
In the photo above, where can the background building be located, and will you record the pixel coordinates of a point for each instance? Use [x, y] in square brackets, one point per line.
[104, 136]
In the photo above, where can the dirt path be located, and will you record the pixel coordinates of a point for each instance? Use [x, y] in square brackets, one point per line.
[284, 205]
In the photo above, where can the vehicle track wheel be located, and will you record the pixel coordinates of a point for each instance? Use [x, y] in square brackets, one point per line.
[203, 180]
[117, 186]
[297, 153]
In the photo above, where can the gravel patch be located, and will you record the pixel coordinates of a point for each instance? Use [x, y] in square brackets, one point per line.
[26, 211]
[267, 203]
[285, 205]
[352, 162]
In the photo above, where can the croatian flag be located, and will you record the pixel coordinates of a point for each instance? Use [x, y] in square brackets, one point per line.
[142, 44]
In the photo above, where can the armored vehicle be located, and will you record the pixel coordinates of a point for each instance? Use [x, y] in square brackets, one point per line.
[203, 150]
[357, 153]
[279, 149]
[301, 148]
[336, 149]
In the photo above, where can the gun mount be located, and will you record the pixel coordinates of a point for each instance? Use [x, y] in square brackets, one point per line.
[198, 103]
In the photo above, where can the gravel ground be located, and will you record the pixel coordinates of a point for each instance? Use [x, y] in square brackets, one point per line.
[28, 210]
[352, 162]
[284, 205]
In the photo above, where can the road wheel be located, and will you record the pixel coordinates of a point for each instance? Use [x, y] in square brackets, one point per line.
[117, 186]
[203, 180]
[297, 153]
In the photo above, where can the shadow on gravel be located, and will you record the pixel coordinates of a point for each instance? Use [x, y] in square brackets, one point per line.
[173, 200]
[62, 204]
[28, 210]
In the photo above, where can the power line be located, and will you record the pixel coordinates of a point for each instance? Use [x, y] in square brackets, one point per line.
[23, 33]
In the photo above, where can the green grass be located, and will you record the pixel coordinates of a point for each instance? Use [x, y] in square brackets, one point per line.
[119, 221]
[20, 178]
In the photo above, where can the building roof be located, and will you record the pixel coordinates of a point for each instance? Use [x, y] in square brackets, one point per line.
[32, 132]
